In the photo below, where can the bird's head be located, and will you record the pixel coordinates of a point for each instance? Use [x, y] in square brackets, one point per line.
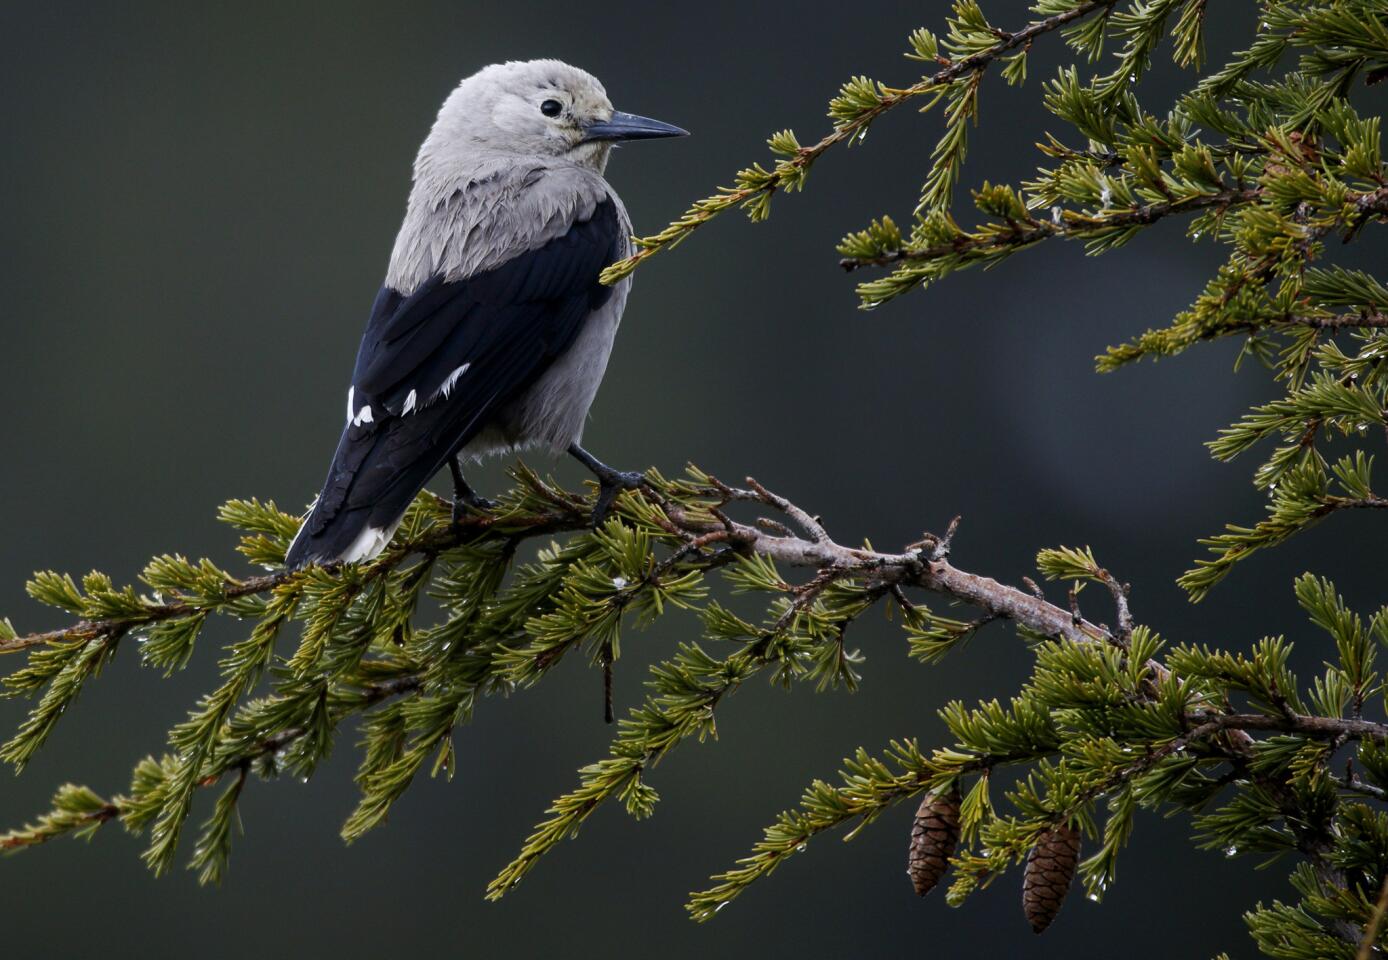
[539, 108]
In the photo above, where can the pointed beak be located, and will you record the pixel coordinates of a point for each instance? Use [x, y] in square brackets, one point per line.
[628, 126]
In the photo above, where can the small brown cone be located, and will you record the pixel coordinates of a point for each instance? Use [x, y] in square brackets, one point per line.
[934, 835]
[1050, 868]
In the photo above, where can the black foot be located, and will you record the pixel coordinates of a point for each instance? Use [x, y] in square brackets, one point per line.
[464, 497]
[610, 482]
[608, 488]
[461, 505]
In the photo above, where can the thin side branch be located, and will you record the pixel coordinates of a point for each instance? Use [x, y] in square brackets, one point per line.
[1073, 226]
[706, 210]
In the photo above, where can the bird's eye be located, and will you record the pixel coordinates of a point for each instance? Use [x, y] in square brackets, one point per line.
[551, 108]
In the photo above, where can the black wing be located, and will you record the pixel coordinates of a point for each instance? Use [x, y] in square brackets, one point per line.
[434, 365]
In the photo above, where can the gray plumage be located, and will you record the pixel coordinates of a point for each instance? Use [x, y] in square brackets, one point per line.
[491, 332]
[477, 202]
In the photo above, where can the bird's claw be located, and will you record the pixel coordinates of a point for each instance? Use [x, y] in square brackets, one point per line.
[609, 485]
[474, 503]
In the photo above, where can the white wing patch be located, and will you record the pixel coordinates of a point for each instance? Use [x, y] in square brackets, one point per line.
[412, 403]
[366, 415]
[368, 544]
[357, 417]
[453, 378]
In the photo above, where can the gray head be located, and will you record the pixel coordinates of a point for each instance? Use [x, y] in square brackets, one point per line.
[537, 108]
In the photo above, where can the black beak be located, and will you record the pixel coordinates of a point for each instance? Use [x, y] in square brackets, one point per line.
[628, 126]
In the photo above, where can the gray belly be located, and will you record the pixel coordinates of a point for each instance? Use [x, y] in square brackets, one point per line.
[550, 414]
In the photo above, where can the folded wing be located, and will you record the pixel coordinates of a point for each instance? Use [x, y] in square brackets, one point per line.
[435, 365]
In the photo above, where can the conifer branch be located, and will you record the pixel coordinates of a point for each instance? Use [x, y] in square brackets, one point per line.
[912, 568]
[1363, 318]
[226, 588]
[855, 110]
[944, 248]
[1335, 728]
[815, 550]
[112, 628]
[78, 811]
[992, 240]
[327, 680]
[1265, 156]
[869, 787]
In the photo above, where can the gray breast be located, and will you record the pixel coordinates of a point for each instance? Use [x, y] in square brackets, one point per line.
[551, 413]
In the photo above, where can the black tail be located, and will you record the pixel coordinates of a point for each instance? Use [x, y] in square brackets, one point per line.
[377, 471]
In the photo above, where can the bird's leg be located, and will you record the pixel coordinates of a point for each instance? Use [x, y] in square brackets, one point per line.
[610, 482]
[464, 495]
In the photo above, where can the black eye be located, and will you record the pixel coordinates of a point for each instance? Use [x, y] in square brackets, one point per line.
[551, 108]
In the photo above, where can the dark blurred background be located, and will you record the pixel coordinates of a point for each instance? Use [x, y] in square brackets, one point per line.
[196, 206]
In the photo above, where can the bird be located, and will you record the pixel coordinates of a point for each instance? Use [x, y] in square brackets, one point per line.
[492, 330]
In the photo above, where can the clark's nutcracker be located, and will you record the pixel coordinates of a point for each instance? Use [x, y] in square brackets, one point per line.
[492, 331]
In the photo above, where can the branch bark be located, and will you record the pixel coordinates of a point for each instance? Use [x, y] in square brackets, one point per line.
[815, 549]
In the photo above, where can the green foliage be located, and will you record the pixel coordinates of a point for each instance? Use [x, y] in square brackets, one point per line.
[1104, 727]
[1103, 731]
[868, 787]
[77, 812]
[1264, 155]
[1107, 725]
[361, 655]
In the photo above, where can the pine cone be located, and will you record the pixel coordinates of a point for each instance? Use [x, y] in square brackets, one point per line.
[1050, 868]
[934, 835]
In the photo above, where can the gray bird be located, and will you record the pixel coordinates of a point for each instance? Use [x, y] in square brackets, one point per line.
[491, 332]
